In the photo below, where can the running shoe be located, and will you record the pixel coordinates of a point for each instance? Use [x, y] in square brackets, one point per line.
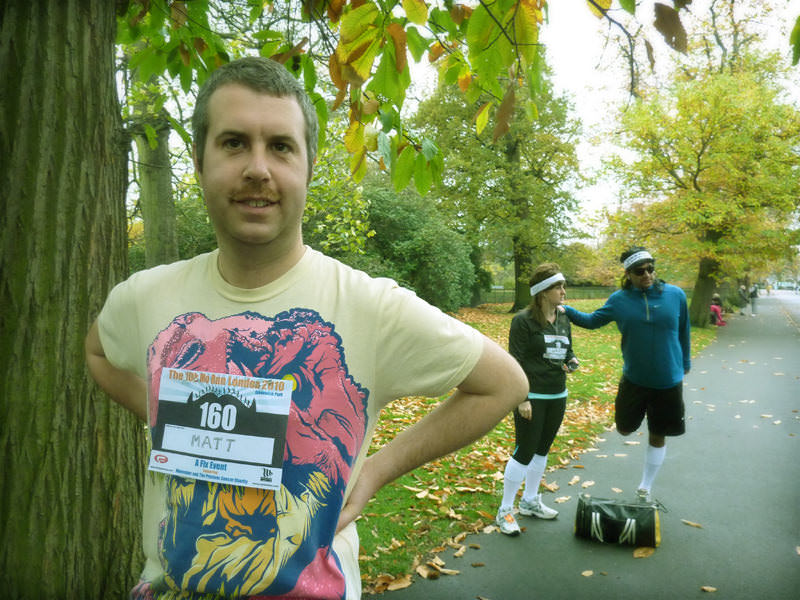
[507, 523]
[536, 509]
[643, 495]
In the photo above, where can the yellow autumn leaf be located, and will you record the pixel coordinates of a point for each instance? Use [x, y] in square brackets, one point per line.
[691, 524]
[587, 573]
[354, 137]
[400, 583]
[643, 552]
[416, 11]
[604, 4]
[482, 117]
[708, 588]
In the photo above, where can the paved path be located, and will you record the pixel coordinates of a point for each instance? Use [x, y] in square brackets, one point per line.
[736, 472]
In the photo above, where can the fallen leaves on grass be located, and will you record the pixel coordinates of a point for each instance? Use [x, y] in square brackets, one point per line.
[587, 484]
[587, 573]
[708, 588]
[383, 583]
[562, 499]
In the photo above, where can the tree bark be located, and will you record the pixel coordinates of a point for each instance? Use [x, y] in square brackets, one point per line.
[70, 505]
[158, 207]
[523, 268]
[699, 312]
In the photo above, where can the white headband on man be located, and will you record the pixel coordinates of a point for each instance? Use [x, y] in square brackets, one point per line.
[546, 283]
[636, 257]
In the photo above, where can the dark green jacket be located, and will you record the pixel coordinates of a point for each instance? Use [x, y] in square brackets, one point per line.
[541, 351]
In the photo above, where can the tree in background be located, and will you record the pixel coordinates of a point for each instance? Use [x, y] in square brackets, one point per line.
[717, 171]
[414, 245]
[517, 188]
[70, 505]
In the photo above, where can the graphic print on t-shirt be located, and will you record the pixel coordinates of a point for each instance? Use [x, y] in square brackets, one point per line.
[245, 540]
[555, 347]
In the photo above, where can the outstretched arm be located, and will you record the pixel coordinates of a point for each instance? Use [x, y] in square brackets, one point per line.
[492, 389]
[594, 320]
[124, 387]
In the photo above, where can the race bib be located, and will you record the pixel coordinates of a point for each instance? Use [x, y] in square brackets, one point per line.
[223, 428]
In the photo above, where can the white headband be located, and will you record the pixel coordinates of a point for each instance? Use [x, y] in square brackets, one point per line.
[543, 285]
[636, 257]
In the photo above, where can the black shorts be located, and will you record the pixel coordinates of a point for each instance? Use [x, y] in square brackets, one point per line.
[664, 409]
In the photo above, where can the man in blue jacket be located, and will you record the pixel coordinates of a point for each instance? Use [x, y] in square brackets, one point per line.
[653, 318]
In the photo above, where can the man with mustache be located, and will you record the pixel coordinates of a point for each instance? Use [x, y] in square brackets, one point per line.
[266, 309]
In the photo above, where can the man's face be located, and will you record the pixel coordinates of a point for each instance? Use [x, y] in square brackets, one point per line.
[642, 275]
[255, 170]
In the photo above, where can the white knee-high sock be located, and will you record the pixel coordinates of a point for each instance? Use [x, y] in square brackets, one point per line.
[654, 458]
[533, 476]
[514, 474]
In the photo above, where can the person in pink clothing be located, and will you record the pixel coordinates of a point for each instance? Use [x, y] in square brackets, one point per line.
[716, 311]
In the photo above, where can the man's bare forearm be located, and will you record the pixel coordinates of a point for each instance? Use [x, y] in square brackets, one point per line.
[495, 386]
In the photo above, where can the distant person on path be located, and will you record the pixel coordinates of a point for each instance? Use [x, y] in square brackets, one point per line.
[653, 318]
[744, 298]
[716, 311]
[261, 369]
[541, 340]
[753, 296]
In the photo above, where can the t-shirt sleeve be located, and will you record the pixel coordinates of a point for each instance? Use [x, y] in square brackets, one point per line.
[119, 331]
[421, 350]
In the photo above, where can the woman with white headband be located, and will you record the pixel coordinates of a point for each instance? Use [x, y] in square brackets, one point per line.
[541, 341]
[654, 321]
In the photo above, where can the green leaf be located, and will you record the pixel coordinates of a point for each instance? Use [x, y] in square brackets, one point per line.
[355, 22]
[526, 30]
[386, 81]
[482, 118]
[387, 118]
[417, 44]
[403, 168]
[423, 177]
[794, 39]
[429, 149]
[177, 126]
[151, 135]
[385, 147]
[416, 11]
[629, 5]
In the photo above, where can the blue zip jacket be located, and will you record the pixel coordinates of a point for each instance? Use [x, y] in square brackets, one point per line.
[656, 333]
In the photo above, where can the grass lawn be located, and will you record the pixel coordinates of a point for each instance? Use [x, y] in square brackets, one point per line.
[419, 514]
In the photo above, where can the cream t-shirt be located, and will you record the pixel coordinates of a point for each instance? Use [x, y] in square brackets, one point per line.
[346, 344]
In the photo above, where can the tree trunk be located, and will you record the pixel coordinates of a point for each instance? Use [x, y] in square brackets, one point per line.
[158, 208]
[71, 495]
[699, 312]
[523, 268]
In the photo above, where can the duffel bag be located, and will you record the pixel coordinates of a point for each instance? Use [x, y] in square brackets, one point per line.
[618, 522]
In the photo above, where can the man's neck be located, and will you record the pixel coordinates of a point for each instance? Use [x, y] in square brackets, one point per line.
[249, 268]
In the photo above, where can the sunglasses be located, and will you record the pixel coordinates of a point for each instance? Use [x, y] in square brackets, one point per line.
[642, 270]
